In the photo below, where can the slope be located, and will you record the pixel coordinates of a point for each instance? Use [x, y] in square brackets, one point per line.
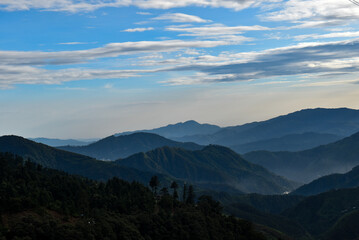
[69, 162]
[181, 129]
[340, 122]
[291, 142]
[213, 167]
[305, 166]
[330, 182]
[112, 148]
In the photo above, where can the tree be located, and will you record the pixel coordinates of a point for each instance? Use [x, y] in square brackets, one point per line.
[154, 183]
[164, 191]
[191, 196]
[184, 195]
[174, 186]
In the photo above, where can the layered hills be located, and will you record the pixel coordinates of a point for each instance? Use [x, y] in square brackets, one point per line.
[115, 147]
[213, 167]
[305, 166]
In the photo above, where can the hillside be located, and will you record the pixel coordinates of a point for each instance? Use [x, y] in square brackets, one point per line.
[52, 142]
[330, 182]
[321, 213]
[112, 148]
[305, 166]
[339, 122]
[291, 143]
[181, 129]
[69, 162]
[38, 203]
[214, 167]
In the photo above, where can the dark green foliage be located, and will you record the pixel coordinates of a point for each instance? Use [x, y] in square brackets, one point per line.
[70, 162]
[318, 214]
[305, 166]
[346, 228]
[191, 196]
[214, 168]
[154, 183]
[40, 203]
[113, 148]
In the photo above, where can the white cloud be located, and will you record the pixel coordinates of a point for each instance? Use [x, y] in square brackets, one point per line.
[328, 35]
[180, 18]
[139, 29]
[109, 50]
[318, 10]
[91, 5]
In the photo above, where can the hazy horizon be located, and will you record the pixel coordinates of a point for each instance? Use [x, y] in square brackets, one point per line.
[89, 69]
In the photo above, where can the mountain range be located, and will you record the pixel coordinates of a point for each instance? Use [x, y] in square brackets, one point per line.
[115, 147]
[213, 167]
[339, 123]
[330, 182]
[179, 130]
[69, 162]
[53, 142]
[305, 166]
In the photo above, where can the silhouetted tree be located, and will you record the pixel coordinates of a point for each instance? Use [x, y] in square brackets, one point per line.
[174, 186]
[184, 194]
[191, 196]
[154, 183]
[164, 191]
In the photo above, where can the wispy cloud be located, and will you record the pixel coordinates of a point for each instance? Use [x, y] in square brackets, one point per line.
[109, 50]
[304, 58]
[328, 35]
[139, 29]
[89, 5]
[181, 18]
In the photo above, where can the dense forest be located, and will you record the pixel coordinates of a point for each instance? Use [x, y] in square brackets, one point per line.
[40, 203]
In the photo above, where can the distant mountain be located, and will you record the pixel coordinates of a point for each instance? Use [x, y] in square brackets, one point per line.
[180, 129]
[69, 162]
[305, 166]
[61, 142]
[213, 167]
[320, 214]
[339, 122]
[112, 148]
[330, 182]
[292, 142]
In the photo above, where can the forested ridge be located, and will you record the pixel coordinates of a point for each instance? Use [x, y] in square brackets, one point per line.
[40, 203]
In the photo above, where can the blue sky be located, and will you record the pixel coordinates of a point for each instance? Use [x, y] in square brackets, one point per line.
[91, 68]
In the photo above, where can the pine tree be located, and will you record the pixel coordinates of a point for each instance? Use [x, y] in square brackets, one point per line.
[154, 183]
[191, 195]
[174, 186]
[184, 196]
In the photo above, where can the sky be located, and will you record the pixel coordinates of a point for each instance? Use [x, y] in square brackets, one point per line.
[92, 68]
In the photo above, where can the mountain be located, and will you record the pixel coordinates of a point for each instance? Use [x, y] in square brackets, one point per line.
[180, 129]
[112, 148]
[339, 122]
[213, 167]
[320, 214]
[292, 142]
[41, 203]
[330, 182]
[69, 162]
[61, 142]
[305, 166]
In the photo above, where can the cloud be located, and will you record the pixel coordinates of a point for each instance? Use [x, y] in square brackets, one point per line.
[109, 50]
[319, 12]
[328, 35]
[144, 13]
[181, 18]
[75, 6]
[304, 58]
[215, 30]
[139, 29]
[76, 43]
[12, 75]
